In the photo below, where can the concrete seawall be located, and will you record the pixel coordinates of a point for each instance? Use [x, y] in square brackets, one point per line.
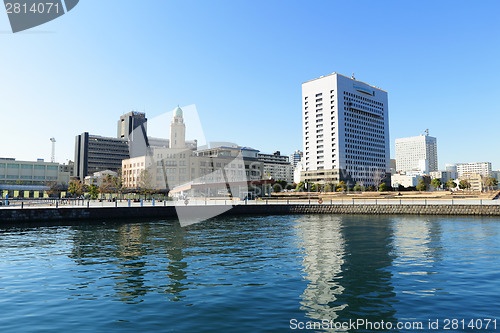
[96, 213]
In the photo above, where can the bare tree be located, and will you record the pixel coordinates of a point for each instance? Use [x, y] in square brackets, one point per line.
[54, 188]
[145, 182]
[118, 183]
[378, 177]
[106, 185]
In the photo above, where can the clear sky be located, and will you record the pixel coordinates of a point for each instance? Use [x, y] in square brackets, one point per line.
[242, 64]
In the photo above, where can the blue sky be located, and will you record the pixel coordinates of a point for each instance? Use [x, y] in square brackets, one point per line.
[242, 64]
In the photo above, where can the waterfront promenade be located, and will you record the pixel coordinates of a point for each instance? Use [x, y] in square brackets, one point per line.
[79, 203]
[76, 210]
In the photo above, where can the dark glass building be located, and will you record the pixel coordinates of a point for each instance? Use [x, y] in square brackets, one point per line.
[95, 153]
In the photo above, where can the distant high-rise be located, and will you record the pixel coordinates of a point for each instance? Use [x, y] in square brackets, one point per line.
[417, 153]
[296, 157]
[129, 122]
[133, 127]
[95, 153]
[393, 166]
[451, 167]
[345, 131]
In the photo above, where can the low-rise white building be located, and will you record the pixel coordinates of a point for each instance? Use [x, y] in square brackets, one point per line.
[404, 180]
[98, 177]
[444, 176]
[481, 168]
[37, 172]
[277, 167]
[476, 182]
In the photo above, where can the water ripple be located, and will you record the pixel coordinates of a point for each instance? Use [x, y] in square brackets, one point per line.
[250, 274]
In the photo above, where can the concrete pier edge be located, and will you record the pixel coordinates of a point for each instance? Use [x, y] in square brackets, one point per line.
[8, 216]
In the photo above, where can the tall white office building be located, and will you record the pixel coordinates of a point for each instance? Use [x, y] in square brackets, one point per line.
[417, 153]
[345, 131]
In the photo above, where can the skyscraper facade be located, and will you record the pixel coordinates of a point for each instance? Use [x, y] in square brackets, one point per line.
[95, 153]
[418, 153]
[345, 132]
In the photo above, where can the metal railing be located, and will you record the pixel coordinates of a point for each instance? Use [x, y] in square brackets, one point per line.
[85, 203]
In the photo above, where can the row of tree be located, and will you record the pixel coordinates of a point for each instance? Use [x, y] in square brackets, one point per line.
[109, 184]
[340, 187]
[424, 184]
[487, 182]
[114, 184]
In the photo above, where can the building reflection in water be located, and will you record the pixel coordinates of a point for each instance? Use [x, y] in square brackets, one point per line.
[176, 266]
[419, 251]
[323, 245]
[347, 262]
[138, 258]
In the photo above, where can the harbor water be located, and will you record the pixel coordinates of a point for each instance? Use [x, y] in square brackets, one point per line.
[314, 273]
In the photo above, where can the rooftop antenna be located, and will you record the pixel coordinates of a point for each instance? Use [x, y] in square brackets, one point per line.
[427, 132]
[53, 155]
[352, 77]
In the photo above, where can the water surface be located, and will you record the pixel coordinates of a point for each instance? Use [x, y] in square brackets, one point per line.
[249, 274]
